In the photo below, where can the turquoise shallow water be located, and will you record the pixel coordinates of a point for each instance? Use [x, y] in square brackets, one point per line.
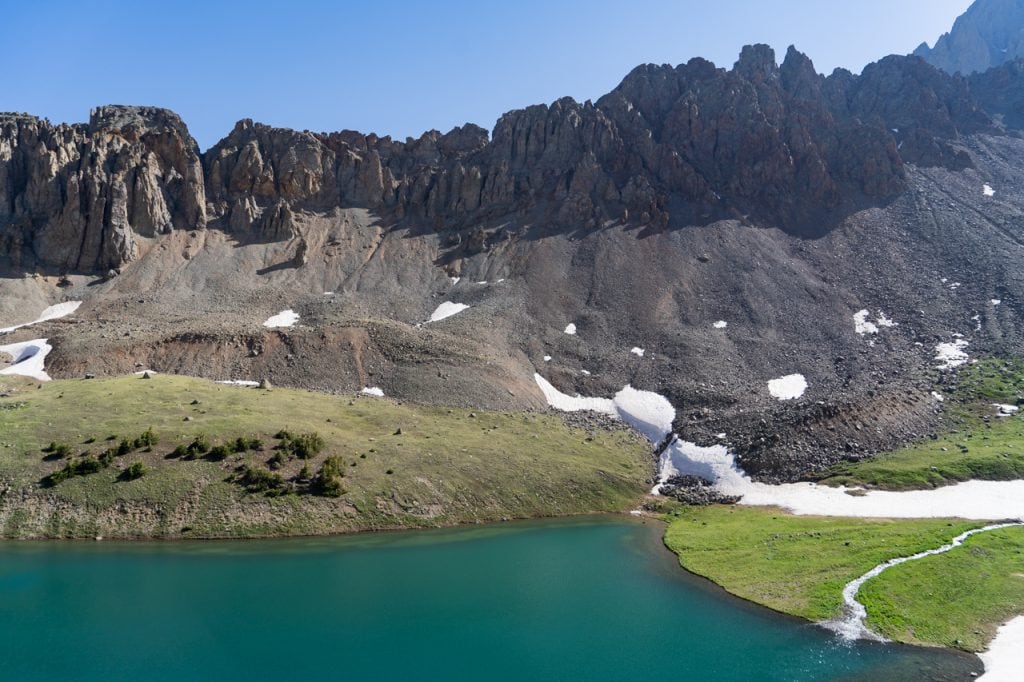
[596, 599]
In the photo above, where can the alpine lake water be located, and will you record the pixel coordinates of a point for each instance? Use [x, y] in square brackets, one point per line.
[583, 599]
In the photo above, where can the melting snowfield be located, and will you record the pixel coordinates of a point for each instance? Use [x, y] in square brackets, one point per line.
[285, 318]
[52, 313]
[651, 414]
[28, 359]
[447, 309]
[373, 390]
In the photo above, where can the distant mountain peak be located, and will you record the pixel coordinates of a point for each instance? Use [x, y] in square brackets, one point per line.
[988, 34]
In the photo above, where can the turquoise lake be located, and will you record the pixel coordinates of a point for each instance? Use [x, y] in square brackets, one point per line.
[593, 599]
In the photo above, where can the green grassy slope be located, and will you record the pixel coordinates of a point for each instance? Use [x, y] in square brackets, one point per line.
[405, 466]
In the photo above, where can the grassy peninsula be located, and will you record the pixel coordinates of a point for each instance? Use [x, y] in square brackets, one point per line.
[800, 564]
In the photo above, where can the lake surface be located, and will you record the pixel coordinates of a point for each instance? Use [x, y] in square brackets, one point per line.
[594, 599]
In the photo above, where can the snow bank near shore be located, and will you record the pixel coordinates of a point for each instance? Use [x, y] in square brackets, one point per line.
[52, 313]
[983, 500]
[1004, 659]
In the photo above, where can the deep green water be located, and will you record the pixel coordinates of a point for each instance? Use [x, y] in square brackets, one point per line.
[597, 599]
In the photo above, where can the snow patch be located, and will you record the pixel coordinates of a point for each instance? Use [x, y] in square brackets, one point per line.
[987, 190]
[951, 355]
[51, 313]
[570, 329]
[240, 382]
[649, 413]
[789, 387]
[1006, 410]
[995, 301]
[547, 358]
[637, 351]
[447, 309]
[584, 372]
[29, 358]
[567, 403]
[983, 500]
[285, 318]
[938, 396]
[862, 325]
[721, 324]
[455, 280]
[1004, 659]
[373, 390]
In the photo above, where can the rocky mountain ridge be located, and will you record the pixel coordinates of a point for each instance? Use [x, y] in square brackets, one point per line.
[770, 144]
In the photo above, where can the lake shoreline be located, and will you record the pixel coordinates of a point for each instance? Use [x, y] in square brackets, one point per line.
[634, 545]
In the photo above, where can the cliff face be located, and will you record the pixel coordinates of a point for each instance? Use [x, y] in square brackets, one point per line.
[75, 197]
[669, 147]
[989, 33]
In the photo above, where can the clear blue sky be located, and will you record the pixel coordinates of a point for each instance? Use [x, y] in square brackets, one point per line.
[399, 67]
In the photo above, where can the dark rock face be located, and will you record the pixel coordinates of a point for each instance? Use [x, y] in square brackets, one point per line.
[989, 33]
[75, 197]
[1001, 91]
[768, 144]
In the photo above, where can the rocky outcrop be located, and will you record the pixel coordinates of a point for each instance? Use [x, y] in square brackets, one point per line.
[1001, 92]
[671, 146]
[989, 33]
[768, 144]
[76, 197]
